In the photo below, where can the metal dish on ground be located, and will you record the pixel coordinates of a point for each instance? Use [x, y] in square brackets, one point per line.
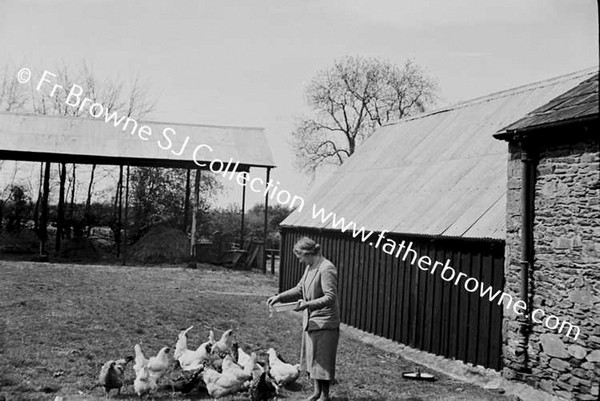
[418, 375]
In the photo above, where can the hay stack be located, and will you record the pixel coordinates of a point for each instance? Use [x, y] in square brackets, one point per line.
[161, 244]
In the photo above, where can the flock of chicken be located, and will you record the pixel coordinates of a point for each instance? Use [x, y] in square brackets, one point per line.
[221, 367]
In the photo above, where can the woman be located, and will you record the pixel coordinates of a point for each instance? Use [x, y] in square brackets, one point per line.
[317, 298]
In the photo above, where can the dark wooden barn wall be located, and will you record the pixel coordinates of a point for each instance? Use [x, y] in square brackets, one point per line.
[383, 295]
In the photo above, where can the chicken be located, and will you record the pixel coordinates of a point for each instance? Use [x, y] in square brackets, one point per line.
[224, 345]
[263, 388]
[181, 345]
[283, 373]
[243, 357]
[187, 382]
[191, 360]
[232, 380]
[112, 374]
[250, 362]
[149, 371]
[144, 384]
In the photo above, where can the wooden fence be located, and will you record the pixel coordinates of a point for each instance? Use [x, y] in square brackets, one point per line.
[386, 296]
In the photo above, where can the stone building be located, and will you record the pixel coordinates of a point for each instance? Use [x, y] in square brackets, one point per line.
[553, 244]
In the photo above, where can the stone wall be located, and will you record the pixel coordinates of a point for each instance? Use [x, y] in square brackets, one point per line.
[565, 280]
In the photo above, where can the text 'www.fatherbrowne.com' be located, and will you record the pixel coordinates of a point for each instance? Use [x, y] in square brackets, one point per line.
[444, 270]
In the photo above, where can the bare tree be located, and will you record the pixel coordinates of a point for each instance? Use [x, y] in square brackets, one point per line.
[127, 98]
[12, 95]
[350, 101]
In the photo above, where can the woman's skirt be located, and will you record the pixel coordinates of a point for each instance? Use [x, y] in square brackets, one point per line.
[317, 355]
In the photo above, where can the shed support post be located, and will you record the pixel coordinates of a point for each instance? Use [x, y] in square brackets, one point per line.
[43, 230]
[186, 207]
[119, 211]
[195, 212]
[243, 215]
[264, 259]
[126, 215]
[60, 217]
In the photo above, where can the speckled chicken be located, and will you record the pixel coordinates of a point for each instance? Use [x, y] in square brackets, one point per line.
[220, 349]
[112, 375]
[224, 345]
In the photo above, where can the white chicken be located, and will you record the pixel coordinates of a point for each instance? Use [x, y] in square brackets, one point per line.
[249, 360]
[190, 360]
[233, 379]
[144, 384]
[149, 371]
[243, 357]
[283, 373]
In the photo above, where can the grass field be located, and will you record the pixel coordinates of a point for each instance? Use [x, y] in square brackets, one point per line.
[60, 323]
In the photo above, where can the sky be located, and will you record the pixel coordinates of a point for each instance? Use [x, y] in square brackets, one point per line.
[247, 62]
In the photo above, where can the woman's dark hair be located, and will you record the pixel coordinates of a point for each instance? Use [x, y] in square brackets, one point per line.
[307, 246]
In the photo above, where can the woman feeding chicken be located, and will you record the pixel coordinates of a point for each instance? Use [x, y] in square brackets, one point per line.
[316, 293]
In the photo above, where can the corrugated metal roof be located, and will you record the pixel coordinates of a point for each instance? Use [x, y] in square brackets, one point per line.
[94, 140]
[440, 173]
[578, 103]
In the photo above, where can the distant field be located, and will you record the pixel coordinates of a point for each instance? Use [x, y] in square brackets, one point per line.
[60, 323]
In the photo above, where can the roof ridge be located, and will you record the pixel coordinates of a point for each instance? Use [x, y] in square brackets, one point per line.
[504, 93]
[100, 119]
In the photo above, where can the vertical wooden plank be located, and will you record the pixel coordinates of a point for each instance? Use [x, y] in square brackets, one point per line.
[421, 297]
[381, 300]
[362, 285]
[403, 300]
[355, 255]
[371, 294]
[378, 296]
[439, 301]
[414, 303]
[369, 297]
[341, 272]
[447, 305]
[394, 299]
[349, 278]
[389, 301]
[474, 303]
[432, 312]
[463, 317]
[342, 278]
[365, 293]
[376, 291]
[394, 317]
[455, 322]
[398, 294]
[485, 311]
[419, 306]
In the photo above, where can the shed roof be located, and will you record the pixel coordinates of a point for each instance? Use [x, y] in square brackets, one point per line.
[577, 104]
[439, 174]
[86, 140]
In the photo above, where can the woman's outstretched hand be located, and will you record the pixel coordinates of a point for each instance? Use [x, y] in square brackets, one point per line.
[272, 300]
[302, 304]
